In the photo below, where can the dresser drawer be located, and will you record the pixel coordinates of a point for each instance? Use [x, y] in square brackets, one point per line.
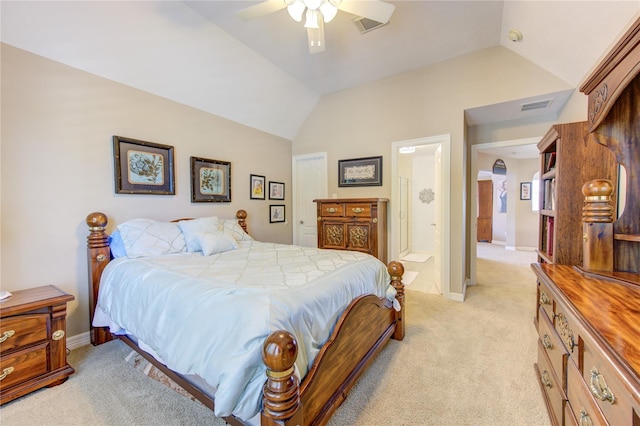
[550, 385]
[545, 299]
[583, 407]
[606, 386]
[567, 328]
[332, 210]
[22, 330]
[552, 345]
[357, 210]
[21, 366]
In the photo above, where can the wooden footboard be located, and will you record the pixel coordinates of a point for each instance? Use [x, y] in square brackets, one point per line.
[360, 333]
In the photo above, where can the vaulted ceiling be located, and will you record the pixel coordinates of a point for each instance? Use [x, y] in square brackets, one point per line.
[260, 73]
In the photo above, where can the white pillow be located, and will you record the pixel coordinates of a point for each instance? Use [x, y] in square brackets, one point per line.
[216, 242]
[231, 225]
[146, 237]
[192, 228]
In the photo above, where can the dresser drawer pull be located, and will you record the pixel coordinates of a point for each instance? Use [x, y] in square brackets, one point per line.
[544, 299]
[566, 333]
[331, 209]
[545, 379]
[357, 209]
[57, 335]
[585, 420]
[546, 341]
[599, 387]
[6, 335]
[6, 372]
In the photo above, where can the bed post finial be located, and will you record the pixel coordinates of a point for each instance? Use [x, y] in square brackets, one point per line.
[241, 215]
[396, 270]
[281, 392]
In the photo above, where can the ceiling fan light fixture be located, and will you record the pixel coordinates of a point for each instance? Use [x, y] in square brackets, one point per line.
[312, 19]
[328, 11]
[312, 4]
[296, 9]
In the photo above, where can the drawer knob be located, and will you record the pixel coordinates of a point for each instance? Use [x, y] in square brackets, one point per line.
[545, 379]
[331, 209]
[57, 335]
[599, 387]
[546, 341]
[357, 209]
[585, 420]
[6, 372]
[6, 335]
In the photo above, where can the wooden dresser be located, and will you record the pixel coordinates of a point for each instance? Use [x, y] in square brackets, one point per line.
[358, 224]
[33, 350]
[588, 316]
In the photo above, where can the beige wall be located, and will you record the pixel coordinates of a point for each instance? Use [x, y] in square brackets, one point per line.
[57, 166]
[364, 122]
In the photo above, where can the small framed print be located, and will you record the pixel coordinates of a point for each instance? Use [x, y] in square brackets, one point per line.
[276, 190]
[256, 188]
[276, 213]
[142, 167]
[525, 190]
[360, 172]
[210, 181]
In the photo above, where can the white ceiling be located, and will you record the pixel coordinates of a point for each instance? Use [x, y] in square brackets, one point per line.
[259, 73]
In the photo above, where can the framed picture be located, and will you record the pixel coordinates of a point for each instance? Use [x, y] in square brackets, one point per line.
[276, 213]
[276, 190]
[142, 167]
[360, 172]
[525, 190]
[210, 181]
[256, 188]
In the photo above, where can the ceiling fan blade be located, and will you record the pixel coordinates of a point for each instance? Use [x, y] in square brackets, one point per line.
[316, 38]
[261, 9]
[376, 10]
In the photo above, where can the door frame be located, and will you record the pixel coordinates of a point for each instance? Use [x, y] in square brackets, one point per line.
[444, 204]
[473, 208]
[295, 214]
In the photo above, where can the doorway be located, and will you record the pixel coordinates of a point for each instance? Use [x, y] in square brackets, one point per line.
[420, 198]
[309, 182]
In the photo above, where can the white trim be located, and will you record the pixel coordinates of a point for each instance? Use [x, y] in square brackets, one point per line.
[473, 208]
[78, 340]
[445, 204]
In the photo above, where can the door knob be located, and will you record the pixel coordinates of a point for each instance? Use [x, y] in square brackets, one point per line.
[301, 222]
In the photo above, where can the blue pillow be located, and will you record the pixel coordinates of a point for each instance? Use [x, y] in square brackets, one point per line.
[117, 245]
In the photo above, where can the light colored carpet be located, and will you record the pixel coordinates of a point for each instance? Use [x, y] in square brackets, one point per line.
[460, 364]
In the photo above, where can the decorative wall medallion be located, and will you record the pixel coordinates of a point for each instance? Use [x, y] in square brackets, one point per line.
[427, 195]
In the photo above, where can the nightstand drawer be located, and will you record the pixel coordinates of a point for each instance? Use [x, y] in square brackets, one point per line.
[23, 365]
[332, 209]
[357, 210]
[22, 330]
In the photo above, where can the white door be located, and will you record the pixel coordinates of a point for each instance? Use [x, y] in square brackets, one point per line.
[309, 183]
[437, 225]
[404, 215]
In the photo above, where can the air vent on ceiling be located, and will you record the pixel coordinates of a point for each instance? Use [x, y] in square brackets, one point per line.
[365, 25]
[536, 105]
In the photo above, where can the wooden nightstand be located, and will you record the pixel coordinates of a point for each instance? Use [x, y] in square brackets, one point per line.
[33, 343]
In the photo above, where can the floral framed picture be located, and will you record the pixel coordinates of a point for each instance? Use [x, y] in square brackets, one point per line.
[276, 213]
[256, 187]
[276, 190]
[210, 181]
[142, 167]
[360, 172]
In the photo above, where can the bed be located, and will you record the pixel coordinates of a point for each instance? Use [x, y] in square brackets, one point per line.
[318, 315]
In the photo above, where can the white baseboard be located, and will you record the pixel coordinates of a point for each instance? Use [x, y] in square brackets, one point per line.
[78, 340]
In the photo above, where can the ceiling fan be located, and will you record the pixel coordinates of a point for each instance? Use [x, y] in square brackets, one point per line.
[319, 12]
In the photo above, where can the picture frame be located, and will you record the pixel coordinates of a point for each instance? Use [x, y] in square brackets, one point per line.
[525, 190]
[276, 190]
[256, 187]
[276, 213]
[365, 171]
[210, 181]
[142, 167]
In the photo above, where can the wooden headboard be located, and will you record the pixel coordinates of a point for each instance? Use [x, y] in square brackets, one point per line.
[99, 255]
[613, 89]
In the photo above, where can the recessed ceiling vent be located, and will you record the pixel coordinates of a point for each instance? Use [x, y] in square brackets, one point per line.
[365, 25]
[536, 105]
